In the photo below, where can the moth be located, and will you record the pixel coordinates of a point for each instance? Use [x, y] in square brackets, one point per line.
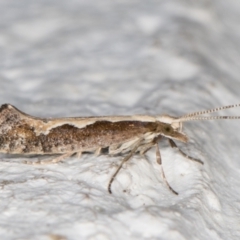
[23, 134]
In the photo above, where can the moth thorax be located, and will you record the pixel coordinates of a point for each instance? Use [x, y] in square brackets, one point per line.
[170, 120]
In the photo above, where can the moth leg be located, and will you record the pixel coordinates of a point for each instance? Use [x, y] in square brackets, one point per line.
[120, 166]
[52, 160]
[58, 159]
[174, 145]
[159, 161]
[79, 154]
[98, 151]
[146, 147]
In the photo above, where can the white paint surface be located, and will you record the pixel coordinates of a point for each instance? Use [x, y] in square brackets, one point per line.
[81, 58]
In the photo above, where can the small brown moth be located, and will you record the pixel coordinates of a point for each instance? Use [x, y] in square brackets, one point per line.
[21, 133]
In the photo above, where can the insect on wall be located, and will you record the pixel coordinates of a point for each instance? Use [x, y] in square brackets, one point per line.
[23, 134]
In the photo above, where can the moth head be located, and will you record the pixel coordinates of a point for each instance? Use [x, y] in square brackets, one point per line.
[171, 129]
[176, 125]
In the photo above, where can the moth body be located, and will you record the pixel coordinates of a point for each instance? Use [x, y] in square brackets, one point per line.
[21, 133]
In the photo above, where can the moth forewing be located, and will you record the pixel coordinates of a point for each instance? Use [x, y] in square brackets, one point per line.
[23, 134]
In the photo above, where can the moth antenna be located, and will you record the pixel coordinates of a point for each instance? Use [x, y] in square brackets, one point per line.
[195, 116]
[211, 110]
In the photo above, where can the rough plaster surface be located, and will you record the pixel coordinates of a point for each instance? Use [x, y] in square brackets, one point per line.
[78, 58]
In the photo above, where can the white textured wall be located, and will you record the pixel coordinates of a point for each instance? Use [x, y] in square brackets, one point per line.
[78, 58]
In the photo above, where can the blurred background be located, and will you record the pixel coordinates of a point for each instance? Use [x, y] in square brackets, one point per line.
[85, 57]
[127, 54]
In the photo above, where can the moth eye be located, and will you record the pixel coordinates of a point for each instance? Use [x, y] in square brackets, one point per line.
[168, 129]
